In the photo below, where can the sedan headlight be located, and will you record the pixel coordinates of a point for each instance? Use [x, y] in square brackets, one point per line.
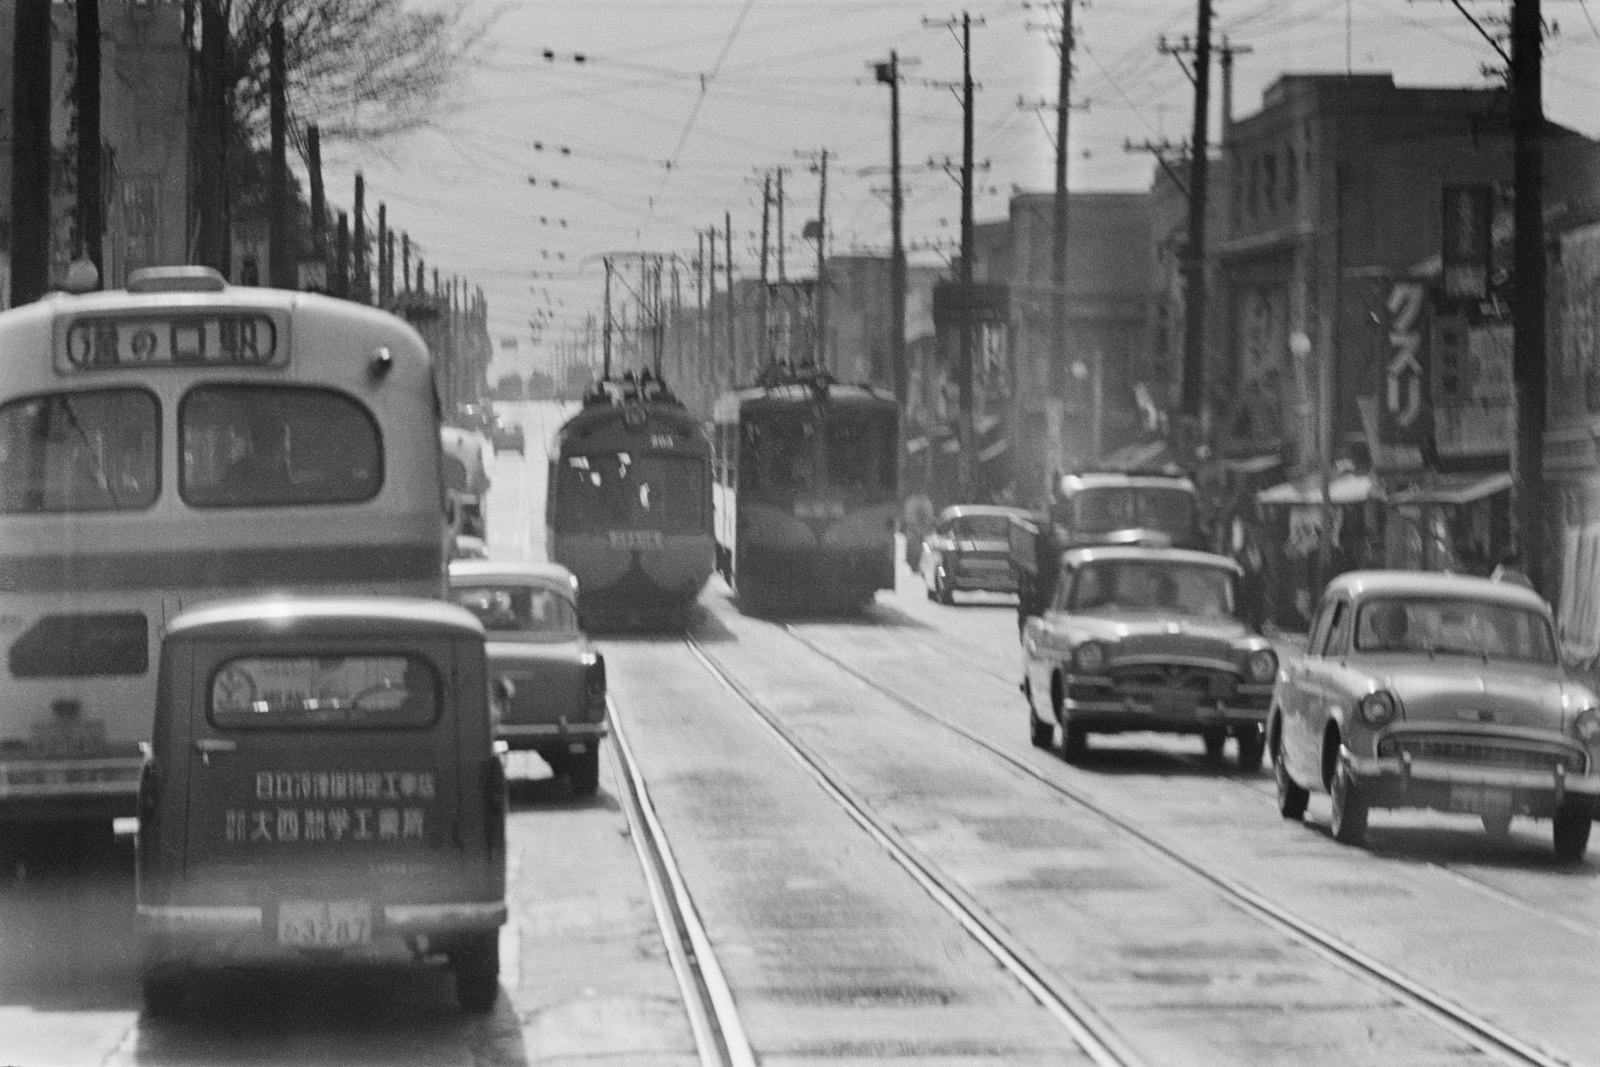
[1089, 658]
[1587, 726]
[1378, 708]
[1262, 666]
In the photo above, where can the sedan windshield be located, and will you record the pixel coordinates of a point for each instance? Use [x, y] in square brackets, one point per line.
[1454, 626]
[1151, 585]
[517, 608]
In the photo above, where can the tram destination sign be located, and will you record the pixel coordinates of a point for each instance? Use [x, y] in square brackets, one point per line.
[179, 339]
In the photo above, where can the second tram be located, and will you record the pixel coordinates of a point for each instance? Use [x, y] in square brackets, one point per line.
[807, 492]
[629, 505]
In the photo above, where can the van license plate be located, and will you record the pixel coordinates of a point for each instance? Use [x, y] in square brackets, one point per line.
[324, 923]
[1480, 800]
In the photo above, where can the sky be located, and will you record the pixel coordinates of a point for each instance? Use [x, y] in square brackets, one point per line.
[540, 164]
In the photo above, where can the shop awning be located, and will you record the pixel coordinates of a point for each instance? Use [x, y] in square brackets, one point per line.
[1345, 488]
[1453, 488]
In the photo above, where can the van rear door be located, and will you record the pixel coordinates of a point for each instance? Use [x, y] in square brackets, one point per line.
[327, 779]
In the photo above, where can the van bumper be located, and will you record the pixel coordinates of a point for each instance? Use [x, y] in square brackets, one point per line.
[399, 920]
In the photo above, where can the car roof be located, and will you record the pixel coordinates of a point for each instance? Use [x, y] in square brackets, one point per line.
[1365, 584]
[517, 571]
[325, 615]
[956, 511]
[1147, 553]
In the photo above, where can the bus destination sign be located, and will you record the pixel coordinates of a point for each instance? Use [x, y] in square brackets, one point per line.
[226, 339]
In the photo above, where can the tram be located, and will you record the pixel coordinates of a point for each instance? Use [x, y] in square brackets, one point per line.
[173, 442]
[628, 505]
[807, 492]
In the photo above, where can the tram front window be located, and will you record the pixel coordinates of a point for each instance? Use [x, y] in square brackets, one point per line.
[779, 457]
[84, 451]
[622, 490]
[860, 455]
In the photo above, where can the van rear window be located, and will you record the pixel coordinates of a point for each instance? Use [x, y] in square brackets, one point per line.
[333, 692]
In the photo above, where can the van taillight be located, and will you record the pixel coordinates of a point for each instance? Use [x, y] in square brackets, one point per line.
[594, 686]
[495, 803]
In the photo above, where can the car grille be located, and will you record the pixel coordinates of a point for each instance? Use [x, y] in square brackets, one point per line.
[1146, 680]
[1485, 752]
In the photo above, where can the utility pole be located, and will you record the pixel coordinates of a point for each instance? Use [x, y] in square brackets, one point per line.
[822, 262]
[383, 253]
[1194, 259]
[727, 266]
[969, 468]
[781, 240]
[889, 73]
[1528, 369]
[405, 261]
[212, 170]
[280, 268]
[319, 206]
[91, 213]
[605, 329]
[1058, 250]
[764, 307]
[361, 283]
[30, 167]
[341, 259]
[712, 363]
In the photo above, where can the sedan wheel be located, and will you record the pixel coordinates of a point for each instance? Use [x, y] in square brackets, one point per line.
[1349, 809]
[1497, 825]
[1571, 831]
[1292, 798]
[1216, 738]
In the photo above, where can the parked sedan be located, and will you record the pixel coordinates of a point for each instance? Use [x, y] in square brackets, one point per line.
[969, 550]
[1422, 690]
[1142, 638]
[549, 681]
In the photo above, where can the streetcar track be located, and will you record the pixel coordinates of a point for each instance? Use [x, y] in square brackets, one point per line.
[719, 1036]
[1095, 1037]
[1474, 1029]
[1265, 791]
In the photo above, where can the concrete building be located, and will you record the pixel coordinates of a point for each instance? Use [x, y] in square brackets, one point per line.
[146, 167]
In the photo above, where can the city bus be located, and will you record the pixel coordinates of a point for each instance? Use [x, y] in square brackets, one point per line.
[176, 441]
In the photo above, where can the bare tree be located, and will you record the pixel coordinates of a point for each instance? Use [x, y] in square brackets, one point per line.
[362, 70]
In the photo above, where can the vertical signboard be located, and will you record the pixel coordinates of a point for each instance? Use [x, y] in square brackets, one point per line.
[1468, 231]
[1403, 416]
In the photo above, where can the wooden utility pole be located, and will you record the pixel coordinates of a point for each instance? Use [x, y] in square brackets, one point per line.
[280, 260]
[30, 167]
[341, 259]
[383, 253]
[968, 432]
[1194, 259]
[360, 281]
[712, 362]
[781, 241]
[821, 297]
[889, 73]
[605, 334]
[764, 307]
[1058, 251]
[1528, 366]
[405, 261]
[1225, 55]
[319, 204]
[214, 246]
[91, 210]
[727, 264]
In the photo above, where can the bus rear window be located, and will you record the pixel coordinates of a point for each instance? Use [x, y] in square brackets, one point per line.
[275, 446]
[97, 450]
[328, 692]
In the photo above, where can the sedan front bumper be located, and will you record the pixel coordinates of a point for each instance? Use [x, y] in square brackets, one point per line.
[1405, 782]
[1161, 715]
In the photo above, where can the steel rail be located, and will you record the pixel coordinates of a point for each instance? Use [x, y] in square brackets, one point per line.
[1474, 1029]
[719, 1035]
[1098, 1040]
